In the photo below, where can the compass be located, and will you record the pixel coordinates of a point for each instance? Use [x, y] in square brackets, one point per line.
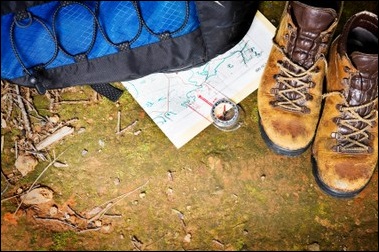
[225, 114]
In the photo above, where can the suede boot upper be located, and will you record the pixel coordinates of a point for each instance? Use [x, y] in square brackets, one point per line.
[345, 148]
[290, 92]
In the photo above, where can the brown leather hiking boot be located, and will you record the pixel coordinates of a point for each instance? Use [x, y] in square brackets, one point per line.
[290, 92]
[345, 149]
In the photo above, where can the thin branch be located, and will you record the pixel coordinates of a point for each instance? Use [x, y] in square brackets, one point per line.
[23, 111]
[15, 149]
[8, 182]
[118, 122]
[56, 220]
[18, 195]
[130, 126]
[2, 143]
[30, 106]
[72, 102]
[89, 229]
[75, 213]
[113, 202]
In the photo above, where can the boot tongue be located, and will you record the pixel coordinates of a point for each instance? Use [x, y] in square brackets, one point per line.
[313, 19]
[366, 63]
[364, 86]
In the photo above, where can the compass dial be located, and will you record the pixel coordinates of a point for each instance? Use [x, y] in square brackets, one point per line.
[225, 114]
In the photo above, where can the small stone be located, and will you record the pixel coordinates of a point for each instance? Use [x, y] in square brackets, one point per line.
[81, 130]
[25, 164]
[187, 238]
[116, 181]
[142, 195]
[170, 191]
[53, 210]
[313, 247]
[98, 223]
[101, 143]
[59, 164]
[54, 118]
[37, 196]
[136, 133]
[3, 123]
[106, 228]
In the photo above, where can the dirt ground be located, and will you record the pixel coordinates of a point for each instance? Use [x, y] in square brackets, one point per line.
[136, 191]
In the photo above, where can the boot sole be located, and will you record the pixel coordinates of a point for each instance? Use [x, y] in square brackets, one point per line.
[277, 149]
[329, 190]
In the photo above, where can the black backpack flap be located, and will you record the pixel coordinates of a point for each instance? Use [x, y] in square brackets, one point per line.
[179, 53]
[16, 6]
[224, 23]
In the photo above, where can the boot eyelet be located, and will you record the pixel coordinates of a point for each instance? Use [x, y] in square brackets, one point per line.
[346, 69]
[274, 103]
[339, 107]
[308, 97]
[336, 148]
[316, 70]
[305, 110]
[336, 120]
[274, 91]
[334, 135]
[370, 150]
[311, 84]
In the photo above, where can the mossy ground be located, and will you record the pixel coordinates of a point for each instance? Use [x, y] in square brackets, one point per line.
[227, 190]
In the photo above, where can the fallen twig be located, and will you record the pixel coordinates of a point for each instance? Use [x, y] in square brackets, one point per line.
[181, 217]
[113, 215]
[101, 213]
[56, 220]
[72, 102]
[56, 136]
[30, 106]
[76, 214]
[15, 149]
[118, 122]
[6, 179]
[111, 203]
[130, 126]
[136, 243]
[2, 143]
[23, 111]
[89, 229]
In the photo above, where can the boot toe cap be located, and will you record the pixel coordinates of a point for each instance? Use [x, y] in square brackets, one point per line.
[343, 176]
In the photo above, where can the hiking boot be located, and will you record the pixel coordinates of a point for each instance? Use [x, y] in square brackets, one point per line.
[290, 91]
[345, 149]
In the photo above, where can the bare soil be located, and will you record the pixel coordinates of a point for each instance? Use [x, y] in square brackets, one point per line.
[136, 191]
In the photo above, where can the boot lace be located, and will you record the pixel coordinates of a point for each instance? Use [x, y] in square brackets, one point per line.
[357, 138]
[293, 85]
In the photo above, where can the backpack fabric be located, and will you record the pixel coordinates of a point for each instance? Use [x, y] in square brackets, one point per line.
[57, 44]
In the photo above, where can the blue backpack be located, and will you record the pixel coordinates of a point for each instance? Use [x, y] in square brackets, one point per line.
[58, 44]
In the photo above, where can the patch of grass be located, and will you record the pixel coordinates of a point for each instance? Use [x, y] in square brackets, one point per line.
[61, 241]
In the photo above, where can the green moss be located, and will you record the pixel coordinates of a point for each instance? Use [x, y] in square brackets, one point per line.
[63, 240]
